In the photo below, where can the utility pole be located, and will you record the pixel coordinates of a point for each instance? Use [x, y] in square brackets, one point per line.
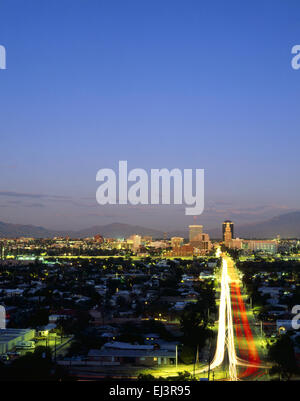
[55, 347]
[209, 359]
[196, 358]
[176, 355]
[194, 367]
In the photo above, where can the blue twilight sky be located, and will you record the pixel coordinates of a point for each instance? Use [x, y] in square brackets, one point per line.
[160, 83]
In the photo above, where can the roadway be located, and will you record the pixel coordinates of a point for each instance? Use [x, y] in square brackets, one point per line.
[247, 342]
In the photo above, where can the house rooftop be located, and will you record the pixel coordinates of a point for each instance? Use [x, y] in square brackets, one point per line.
[131, 353]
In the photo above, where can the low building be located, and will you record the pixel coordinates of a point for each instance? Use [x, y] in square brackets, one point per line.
[235, 243]
[269, 246]
[55, 317]
[177, 242]
[9, 338]
[133, 355]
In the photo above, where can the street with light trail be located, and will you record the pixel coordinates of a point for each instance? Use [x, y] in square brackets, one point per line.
[236, 355]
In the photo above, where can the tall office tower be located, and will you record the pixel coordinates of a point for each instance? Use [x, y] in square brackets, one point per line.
[137, 240]
[227, 230]
[195, 233]
[134, 241]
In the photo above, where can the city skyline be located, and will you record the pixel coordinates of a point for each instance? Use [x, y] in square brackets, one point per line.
[149, 197]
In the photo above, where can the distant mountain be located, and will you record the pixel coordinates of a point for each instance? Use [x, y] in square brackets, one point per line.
[19, 230]
[117, 230]
[114, 230]
[286, 225]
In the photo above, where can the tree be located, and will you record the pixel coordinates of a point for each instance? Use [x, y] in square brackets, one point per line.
[146, 377]
[34, 366]
[187, 354]
[184, 376]
[282, 353]
[193, 324]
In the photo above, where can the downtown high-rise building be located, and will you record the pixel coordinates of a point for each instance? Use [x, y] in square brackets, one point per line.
[195, 233]
[199, 243]
[198, 239]
[228, 230]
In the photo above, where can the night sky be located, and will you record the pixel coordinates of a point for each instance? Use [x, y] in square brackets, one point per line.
[160, 83]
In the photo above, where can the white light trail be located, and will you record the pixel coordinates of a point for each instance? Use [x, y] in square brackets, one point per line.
[220, 349]
[225, 337]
